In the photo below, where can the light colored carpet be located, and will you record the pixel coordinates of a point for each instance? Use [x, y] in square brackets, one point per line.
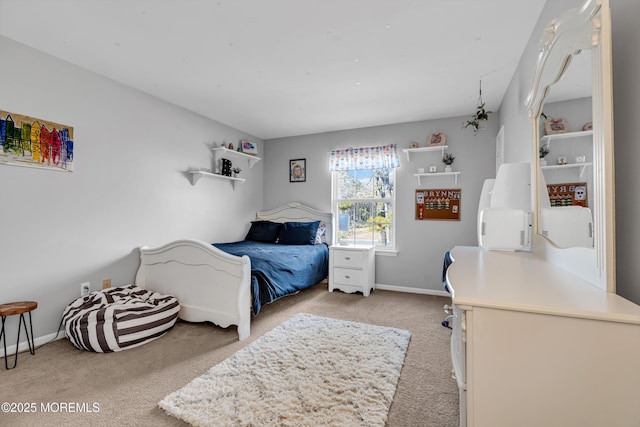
[309, 371]
[128, 385]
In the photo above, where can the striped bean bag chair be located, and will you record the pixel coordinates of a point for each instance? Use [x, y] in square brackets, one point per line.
[119, 318]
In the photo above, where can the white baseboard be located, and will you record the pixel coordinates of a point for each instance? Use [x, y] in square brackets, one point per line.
[406, 289]
[23, 346]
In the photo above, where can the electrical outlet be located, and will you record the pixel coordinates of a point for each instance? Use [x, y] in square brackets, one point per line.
[85, 288]
[106, 283]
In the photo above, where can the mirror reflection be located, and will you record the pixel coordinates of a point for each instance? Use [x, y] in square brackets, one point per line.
[565, 161]
[578, 36]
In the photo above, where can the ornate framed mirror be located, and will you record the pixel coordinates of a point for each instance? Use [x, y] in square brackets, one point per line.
[573, 214]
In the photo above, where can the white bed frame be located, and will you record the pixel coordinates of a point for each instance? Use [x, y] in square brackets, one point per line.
[212, 285]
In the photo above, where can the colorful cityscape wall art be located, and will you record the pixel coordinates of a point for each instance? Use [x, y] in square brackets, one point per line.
[37, 143]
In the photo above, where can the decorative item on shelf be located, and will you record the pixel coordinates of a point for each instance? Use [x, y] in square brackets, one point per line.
[226, 167]
[230, 146]
[588, 126]
[249, 148]
[413, 145]
[556, 126]
[236, 171]
[544, 151]
[562, 160]
[479, 119]
[580, 159]
[433, 169]
[436, 139]
[420, 170]
[448, 159]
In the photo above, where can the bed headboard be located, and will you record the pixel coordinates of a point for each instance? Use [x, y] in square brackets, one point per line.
[297, 212]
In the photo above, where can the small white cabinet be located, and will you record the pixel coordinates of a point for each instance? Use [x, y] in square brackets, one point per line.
[352, 269]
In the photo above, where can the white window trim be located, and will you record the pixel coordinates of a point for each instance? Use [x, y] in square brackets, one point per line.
[380, 250]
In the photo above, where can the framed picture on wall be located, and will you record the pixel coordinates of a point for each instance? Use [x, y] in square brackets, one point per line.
[438, 203]
[248, 148]
[568, 194]
[437, 139]
[35, 143]
[298, 170]
[553, 127]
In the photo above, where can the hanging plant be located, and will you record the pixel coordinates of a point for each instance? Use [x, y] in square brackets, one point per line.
[479, 119]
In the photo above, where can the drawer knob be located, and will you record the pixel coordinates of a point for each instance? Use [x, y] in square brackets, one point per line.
[347, 277]
[347, 258]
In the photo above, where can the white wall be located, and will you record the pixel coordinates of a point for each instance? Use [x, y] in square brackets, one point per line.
[421, 244]
[129, 187]
[513, 114]
[626, 110]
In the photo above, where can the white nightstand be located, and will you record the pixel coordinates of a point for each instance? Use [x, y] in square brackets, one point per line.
[352, 269]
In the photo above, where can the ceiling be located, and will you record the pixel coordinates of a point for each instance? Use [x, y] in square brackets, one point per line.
[277, 68]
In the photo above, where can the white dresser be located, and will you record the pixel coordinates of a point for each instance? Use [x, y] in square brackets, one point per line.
[352, 269]
[536, 346]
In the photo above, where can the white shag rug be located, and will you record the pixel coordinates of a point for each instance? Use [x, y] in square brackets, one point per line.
[309, 371]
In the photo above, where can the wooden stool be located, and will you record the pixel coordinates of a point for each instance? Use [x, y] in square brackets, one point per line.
[20, 308]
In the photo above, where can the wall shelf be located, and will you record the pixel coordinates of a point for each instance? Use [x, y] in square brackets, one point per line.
[196, 175]
[225, 152]
[582, 167]
[546, 140]
[408, 151]
[420, 175]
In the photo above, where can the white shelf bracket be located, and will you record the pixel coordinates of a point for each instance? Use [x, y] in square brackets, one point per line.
[195, 177]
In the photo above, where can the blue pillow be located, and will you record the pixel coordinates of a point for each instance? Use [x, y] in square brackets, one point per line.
[264, 231]
[299, 233]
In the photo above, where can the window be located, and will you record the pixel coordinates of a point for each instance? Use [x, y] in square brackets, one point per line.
[363, 203]
[363, 195]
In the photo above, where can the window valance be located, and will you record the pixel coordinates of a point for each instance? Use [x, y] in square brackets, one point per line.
[383, 157]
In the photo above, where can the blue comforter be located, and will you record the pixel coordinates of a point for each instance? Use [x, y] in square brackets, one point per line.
[280, 270]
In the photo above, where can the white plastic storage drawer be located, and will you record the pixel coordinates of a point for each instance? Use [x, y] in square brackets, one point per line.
[349, 259]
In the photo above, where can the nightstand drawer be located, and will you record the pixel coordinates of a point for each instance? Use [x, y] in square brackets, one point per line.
[346, 276]
[350, 259]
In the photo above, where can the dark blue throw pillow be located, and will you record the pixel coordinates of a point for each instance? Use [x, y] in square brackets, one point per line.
[299, 233]
[264, 231]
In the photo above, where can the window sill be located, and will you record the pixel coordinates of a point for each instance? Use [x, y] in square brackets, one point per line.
[378, 251]
[386, 252]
